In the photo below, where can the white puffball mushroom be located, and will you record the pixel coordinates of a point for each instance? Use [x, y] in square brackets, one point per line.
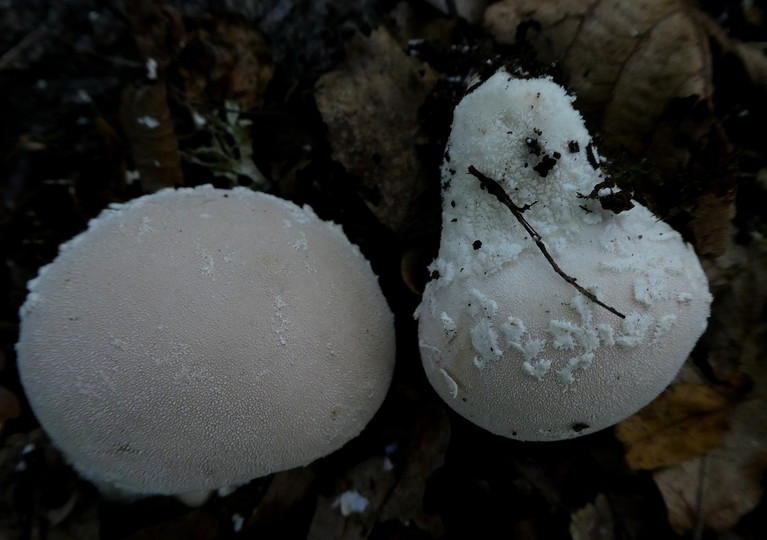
[198, 338]
[505, 340]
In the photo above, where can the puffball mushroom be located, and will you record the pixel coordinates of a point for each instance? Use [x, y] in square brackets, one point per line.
[197, 338]
[505, 338]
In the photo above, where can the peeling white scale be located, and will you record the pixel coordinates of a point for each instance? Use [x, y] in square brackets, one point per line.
[505, 339]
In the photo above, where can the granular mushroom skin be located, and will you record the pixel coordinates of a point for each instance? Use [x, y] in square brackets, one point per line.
[197, 338]
[505, 339]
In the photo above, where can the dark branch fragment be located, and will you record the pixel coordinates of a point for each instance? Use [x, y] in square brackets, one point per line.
[591, 156]
[615, 201]
[545, 166]
[494, 188]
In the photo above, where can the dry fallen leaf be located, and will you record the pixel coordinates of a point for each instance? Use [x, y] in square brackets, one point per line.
[471, 10]
[683, 422]
[285, 492]
[716, 490]
[146, 119]
[709, 224]
[594, 521]
[750, 55]
[196, 525]
[225, 60]
[391, 486]
[144, 113]
[370, 106]
[158, 30]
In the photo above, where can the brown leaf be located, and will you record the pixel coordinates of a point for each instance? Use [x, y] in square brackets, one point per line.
[627, 60]
[713, 491]
[709, 224]
[286, 491]
[471, 10]
[684, 421]
[753, 60]
[226, 60]
[716, 490]
[158, 30]
[393, 484]
[196, 525]
[370, 106]
[750, 55]
[365, 482]
[147, 122]
[594, 521]
[425, 451]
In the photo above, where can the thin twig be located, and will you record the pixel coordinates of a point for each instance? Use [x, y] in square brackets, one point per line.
[494, 188]
[700, 498]
[11, 55]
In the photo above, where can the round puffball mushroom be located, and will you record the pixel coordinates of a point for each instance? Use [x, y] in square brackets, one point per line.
[506, 339]
[198, 338]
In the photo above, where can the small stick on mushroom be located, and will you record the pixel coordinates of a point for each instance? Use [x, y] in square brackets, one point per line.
[494, 188]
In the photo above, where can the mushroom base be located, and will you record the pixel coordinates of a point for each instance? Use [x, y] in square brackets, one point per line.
[521, 353]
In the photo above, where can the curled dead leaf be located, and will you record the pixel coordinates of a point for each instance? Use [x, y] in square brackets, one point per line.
[711, 492]
[146, 119]
[389, 487]
[158, 30]
[471, 10]
[714, 491]
[225, 60]
[270, 517]
[370, 106]
[685, 421]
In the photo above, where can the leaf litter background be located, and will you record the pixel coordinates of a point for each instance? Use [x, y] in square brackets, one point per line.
[346, 106]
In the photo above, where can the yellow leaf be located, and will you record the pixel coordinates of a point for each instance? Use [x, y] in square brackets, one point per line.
[685, 421]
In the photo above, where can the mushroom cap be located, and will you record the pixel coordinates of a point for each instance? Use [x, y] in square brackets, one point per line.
[506, 340]
[198, 338]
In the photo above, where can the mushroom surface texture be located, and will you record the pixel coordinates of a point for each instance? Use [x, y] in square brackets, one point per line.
[197, 338]
[505, 338]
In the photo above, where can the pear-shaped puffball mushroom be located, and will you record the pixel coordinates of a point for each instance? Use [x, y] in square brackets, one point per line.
[197, 338]
[506, 339]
